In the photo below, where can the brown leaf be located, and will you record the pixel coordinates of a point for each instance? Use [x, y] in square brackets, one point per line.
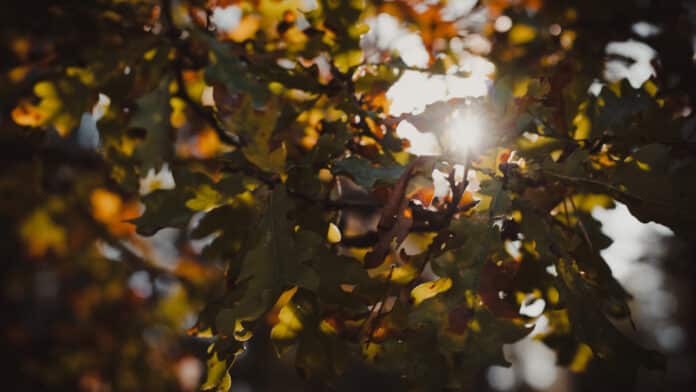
[496, 278]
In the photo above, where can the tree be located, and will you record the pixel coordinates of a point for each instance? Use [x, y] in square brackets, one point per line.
[265, 128]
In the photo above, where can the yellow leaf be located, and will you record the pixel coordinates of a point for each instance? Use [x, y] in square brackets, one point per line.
[49, 110]
[217, 371]
[289, 325]
[246, 29]
[206, 198]
[327, 327]
[582, 357]
[568, 39]
[400, 275]
[519, 89]
[289, 317]
[344, 61]
[17, 74]
[150, 54]
[650, 87]
[28, 115]
[207, 144]
[241, 334]
[325, 175]
[430, 289]
[583, 125]
[404, 274]
[85, 75]
[371, 350]
[474, 325]
[225, 384]
[553, 295]
[333, 235]
[106, 205]
[358, 29]
[643, 166]
[41, 234]
[586, 202]
[521, 34]
[177, 118]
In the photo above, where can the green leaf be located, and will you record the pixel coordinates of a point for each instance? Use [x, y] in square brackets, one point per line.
[234, 74]
[163, 209]
[497, 200]
[592, 327]
[174, 208]
[365, 174]
[152, 115]
[272, 265]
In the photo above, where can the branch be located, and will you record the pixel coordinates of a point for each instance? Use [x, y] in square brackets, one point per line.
[608, 187]
[173, 33]
[337, 204]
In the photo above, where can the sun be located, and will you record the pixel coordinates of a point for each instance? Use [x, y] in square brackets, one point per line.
[464, 132]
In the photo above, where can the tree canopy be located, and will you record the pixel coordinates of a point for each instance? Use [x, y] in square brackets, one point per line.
[266, 132]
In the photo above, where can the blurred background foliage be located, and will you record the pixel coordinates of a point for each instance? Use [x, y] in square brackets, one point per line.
[341, 195]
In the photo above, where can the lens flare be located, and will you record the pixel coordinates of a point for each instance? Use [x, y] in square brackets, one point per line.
[464, 133]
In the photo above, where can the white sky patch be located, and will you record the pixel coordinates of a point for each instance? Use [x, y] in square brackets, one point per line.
[645, 29]
[421, 143]
[538, 367]
[532, 362]
[386, 35]
[513, 248]
[226, 19]
[189, 370]
[286, 63]
[501, 378]
[595, 88]
[671, 337]
[162, 179]
[139, 282]
[502, 24]
[441, 185]
[207, 96]
[415, 90]
[632, 239]
[197, 245]
[162, 248]
[100, 108]
[533, 307]
[637, 72]
[412, 50]
[478, 66]
[87, 132]
[475, 20]
[309, 5]
[477, 43]
[455, 9]
[631, 258]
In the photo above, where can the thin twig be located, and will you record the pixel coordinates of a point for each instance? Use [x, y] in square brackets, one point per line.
[580, 224]
[379, 308]
[604, 185]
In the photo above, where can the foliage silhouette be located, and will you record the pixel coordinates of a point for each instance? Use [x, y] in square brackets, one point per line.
[263, 137]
